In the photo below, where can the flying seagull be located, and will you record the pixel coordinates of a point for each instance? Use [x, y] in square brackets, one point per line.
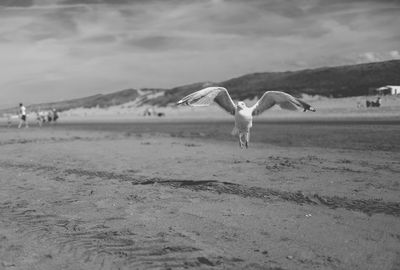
[243, 114]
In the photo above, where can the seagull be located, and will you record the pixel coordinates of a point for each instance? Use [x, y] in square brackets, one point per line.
[243, 114]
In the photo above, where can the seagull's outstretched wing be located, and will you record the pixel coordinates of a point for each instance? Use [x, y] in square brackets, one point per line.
[284, 100]
[207, 95]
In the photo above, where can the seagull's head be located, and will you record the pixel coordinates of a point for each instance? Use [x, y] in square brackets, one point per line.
[241, 105]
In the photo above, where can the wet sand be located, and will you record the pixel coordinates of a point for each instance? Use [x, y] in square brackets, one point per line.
[176, 195]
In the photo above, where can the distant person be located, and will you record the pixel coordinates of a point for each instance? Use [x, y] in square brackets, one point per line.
[9, 121]
[39, 118]
[378, 102]
[22, 116]
[49, 116]
[55, 115]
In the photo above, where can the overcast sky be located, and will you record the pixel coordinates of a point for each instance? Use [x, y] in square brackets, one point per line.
[57, 49]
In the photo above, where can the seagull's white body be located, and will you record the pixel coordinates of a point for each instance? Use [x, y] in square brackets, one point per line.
[243, 119]
[243, 114]
[243, 123]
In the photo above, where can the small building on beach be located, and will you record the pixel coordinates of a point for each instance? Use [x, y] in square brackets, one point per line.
[388, 90]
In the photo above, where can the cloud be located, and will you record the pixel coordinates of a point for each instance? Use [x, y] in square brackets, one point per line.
[370, 57]
[381, 56]
[100, 39]
[156, 42]
[395, 54]
[16, 3]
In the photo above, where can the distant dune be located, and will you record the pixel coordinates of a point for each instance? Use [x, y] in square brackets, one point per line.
[341, 81]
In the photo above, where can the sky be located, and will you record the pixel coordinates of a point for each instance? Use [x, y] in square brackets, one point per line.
[53, 50]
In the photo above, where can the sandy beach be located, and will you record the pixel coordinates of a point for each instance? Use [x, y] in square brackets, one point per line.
[145, 196]
[116, 145]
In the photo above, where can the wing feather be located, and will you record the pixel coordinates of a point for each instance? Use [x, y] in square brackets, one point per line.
[207, 96]
[284, 100]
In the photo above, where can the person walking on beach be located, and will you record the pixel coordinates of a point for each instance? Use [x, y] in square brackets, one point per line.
[22, 116]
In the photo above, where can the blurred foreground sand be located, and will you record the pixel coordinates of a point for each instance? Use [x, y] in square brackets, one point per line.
[93, 199]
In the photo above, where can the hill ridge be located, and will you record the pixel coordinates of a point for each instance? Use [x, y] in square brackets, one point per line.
[337, 81]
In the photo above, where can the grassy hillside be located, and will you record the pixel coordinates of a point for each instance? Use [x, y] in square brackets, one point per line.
[100, 100]
[342, 81]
